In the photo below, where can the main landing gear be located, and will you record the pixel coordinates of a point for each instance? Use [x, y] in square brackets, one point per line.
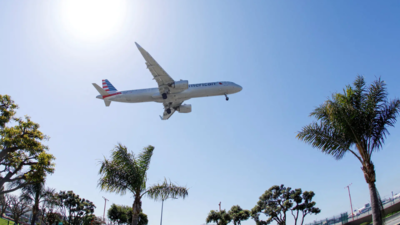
[226, 97]
[164, 96]
[168, 111]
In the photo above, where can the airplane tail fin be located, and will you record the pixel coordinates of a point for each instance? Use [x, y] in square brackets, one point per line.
[108, 86]
[103, 93]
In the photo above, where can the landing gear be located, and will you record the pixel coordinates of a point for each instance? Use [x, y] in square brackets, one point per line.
[226, 97]
[168, 111]
[164, 96]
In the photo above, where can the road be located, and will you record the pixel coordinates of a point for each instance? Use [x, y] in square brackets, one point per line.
[393, 221]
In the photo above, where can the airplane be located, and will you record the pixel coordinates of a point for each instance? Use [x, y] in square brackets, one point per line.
[170, 93]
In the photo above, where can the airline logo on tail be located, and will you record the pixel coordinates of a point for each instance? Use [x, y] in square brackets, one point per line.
[107, 86]
[108, 90]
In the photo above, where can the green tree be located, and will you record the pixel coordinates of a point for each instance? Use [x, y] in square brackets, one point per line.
[238, 214]
[118, 214]
[274, 203]
[125, 172]
[355, 121]
[84, 211]
[219, 217]
[22, 156]
[113, 213]
[74, 208]
[304, 204]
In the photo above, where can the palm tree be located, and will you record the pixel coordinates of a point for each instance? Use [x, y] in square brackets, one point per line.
[35, 193]
[355, 121]
[167, 189]
[125, 172]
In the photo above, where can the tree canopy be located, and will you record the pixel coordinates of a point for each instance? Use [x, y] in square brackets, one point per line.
[219, 217]
[74, 208]
[278, 200]
[238, 214]
[23, 157]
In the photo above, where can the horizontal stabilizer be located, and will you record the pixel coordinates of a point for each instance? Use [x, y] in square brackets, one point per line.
[100, 90]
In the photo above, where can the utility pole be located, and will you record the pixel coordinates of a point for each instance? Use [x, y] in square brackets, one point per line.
[105, 203]
[351, 205]
[219, 206]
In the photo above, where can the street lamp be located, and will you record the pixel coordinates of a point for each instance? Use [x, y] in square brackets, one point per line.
[162, 205]
[104, 213]
[351, 205]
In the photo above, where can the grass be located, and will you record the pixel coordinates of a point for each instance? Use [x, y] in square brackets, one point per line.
[390, 214]
[5, 222]
[365, 223]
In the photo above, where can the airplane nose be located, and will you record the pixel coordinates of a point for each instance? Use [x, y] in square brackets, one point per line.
[239, 87]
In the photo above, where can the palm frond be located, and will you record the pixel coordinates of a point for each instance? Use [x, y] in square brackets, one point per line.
[166, 190]
[359, 92]
[113, 178]
[143, 159]
[26, 197]
[121, 173]
[326, 138]
[377, 95]
[385, 117]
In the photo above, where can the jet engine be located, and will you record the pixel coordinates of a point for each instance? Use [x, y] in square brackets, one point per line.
[180, 85]
[184, 108]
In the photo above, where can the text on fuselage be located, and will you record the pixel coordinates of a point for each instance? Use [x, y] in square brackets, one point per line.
[203, 85]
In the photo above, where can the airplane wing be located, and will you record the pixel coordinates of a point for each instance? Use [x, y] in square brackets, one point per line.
[173, 106]
[159, 74]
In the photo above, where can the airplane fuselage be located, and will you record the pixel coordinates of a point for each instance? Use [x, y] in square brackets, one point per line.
[193, 91]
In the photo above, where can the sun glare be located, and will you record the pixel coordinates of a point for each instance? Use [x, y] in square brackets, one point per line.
[93, 19]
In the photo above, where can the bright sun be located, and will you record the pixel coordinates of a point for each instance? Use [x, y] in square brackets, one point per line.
[93, 19]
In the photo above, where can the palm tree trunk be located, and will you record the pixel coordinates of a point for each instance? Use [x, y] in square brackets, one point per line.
[35, 211]
[136, 209]
[370, 177]
[376, 211]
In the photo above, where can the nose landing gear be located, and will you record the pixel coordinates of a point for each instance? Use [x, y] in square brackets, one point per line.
[226, 97]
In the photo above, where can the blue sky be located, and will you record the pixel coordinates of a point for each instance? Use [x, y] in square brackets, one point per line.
[289, 57]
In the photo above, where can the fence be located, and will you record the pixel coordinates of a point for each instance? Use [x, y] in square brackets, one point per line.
[343, 218]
